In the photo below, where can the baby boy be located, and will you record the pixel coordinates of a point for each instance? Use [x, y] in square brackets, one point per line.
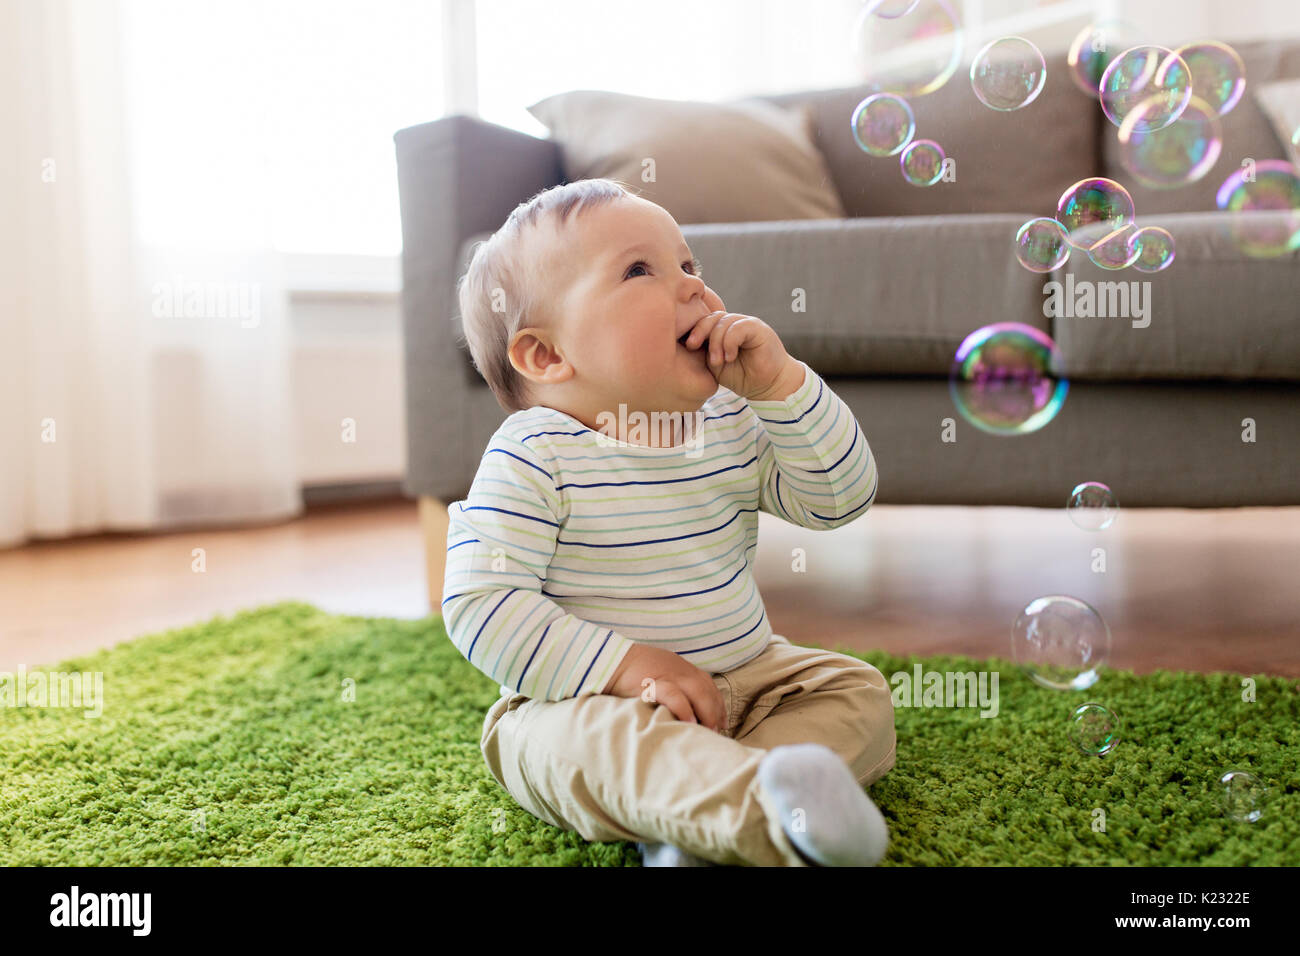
[602, 572]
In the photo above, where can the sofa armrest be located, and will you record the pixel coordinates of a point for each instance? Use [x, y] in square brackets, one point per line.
[456, 177]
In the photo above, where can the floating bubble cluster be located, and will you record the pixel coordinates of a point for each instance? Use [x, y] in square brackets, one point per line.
[1042, 245]
[1178, 154]
[1265, 201]
[922, 162]
[912, 52]
[1005, 380]
[1094, 729]
[1092, 209]
[1218, 75]
[1244, 795]
[1093, 49]
[1155, 249]
[1092, 506]
[1060, 642]
[1008, 74]
[883, 124]
[1146, 73]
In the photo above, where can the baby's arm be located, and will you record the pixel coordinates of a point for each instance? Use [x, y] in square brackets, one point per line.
[500, 542]
[815, 466]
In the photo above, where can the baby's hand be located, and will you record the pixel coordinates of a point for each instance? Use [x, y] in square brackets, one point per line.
[658, 676]
[745, 354]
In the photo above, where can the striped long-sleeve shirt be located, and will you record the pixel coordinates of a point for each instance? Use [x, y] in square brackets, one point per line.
[570, 546]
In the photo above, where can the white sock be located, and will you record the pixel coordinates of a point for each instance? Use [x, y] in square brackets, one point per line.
[665, 854]
[840, 824]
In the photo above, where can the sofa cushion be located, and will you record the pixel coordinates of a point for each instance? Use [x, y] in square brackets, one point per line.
[1022, 159]
[896, 296]
[1247, 134]
[1214, 313]
[742, 161]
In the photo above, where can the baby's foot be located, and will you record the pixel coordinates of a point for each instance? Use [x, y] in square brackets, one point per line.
[840, 824]
[665, 854]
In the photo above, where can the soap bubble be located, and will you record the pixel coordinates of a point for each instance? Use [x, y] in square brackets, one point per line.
[1143, 73]
[1092, 506]
[1042, 245]
[1180, 153]
[922, 162]
[889, 9]
[1094, 729]
[883, 124]
[1094, 48]
[1155, 249]
[1118, 250]
[1008, 74]
[1092, 209]
[1218, 75]
[1060, 642]
[913, 53]
[1295, 137]
[1004, 379]
[1266, 212]
[1244, 795]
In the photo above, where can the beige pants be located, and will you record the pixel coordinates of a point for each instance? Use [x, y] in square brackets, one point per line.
[619, 768]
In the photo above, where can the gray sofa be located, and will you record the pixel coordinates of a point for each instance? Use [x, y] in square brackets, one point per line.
[1154, 412]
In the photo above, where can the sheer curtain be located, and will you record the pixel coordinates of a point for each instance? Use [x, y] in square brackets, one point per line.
[143, 379]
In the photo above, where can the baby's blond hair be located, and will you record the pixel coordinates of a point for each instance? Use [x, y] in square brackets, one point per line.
[499, 292]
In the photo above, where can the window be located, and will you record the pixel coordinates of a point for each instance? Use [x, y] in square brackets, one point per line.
[273, 122]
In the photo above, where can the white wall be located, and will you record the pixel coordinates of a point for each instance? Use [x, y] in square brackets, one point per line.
[1174, 22]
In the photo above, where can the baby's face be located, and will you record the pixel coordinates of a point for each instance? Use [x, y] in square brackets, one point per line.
[623, 290]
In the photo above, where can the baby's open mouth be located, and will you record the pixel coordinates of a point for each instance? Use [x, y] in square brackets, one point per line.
[681, 340]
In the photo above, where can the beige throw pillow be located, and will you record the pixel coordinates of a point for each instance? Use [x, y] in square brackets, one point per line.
[1280, 102]
[744, 161]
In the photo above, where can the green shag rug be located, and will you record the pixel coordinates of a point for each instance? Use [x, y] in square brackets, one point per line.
[233, 742]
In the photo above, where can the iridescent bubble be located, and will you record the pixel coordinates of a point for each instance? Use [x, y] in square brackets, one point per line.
[889, 9]
[1264, 199]
[1180, 153]
[1218, 75]
[1092, 209]
[1005, 380]
[1042, 245]
[1244, 795]
[1295, 137]
[1060, 642]
[1155, 249]
[1116, 251]
[922, 162]
[1008, 74]
[1094, 48]
[1143, 73]
[883, 124]
[1094, 729]
[1092, 506]
[913, 53]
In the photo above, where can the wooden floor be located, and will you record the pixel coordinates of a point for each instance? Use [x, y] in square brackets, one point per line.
[1183, 589]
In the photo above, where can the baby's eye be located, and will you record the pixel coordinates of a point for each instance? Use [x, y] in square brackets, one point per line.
[693, 265]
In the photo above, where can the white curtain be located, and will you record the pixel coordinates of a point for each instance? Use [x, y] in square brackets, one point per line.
[143, 380]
